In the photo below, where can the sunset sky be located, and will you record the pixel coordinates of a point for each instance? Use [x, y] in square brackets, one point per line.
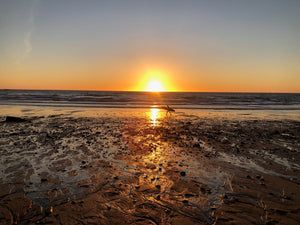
[226, 46]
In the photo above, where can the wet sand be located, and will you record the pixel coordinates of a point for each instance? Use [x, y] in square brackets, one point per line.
[149, 168]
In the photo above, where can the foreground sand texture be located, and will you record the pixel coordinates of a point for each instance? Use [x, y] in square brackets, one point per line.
[179, 169]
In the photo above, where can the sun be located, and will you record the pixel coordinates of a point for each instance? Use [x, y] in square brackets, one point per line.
[153, 80]
[155, 86]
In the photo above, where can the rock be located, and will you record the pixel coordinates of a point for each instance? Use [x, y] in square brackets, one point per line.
[197, 145]
[150, 166]
[44, 179]
[185, 202]
[14, 119]
[224, 196]
[48, 211]
[189, 195]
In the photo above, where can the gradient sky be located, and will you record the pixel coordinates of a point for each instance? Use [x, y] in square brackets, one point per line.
[233, 45]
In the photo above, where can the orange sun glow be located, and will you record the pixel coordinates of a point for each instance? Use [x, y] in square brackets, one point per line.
[154, 80]
[155, 86]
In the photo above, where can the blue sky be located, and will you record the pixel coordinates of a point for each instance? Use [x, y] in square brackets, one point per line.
[107, 45]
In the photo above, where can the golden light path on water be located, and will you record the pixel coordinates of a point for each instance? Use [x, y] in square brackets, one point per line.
[154, 115]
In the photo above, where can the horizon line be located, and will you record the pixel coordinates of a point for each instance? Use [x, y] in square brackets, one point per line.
[179, 91]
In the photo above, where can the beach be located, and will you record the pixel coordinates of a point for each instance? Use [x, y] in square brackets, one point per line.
[147, 166]
[149, 112]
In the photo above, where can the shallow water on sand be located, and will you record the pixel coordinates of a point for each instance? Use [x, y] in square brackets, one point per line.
[153, 112]
[146, 166]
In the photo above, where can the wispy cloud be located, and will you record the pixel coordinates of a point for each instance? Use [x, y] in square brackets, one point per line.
[27, 35]
[27, 42]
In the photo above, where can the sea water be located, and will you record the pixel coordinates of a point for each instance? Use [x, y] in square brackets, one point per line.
[286, 105]
[183, 100]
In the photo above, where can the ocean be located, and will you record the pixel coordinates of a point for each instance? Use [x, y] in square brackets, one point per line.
[177, 100]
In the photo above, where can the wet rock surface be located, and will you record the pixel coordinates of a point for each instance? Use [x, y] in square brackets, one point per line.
[10, 119]
[178, 170]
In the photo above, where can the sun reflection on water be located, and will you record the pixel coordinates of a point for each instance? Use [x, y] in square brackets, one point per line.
[154, 116]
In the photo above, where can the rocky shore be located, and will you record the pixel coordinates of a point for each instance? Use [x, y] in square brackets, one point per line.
[177, 169]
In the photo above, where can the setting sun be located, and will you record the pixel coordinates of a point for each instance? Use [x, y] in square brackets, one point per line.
[155, 86]
[154, 80]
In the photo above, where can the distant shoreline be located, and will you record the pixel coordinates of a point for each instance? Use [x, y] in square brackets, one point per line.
[208, 92]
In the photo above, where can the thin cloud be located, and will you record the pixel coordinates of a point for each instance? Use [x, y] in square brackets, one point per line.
[28, 34]
[27, 42]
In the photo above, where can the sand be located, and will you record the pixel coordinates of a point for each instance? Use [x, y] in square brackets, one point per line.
[149, 168]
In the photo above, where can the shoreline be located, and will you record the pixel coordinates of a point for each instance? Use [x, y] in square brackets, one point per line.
[149, 167]
[80, 111]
